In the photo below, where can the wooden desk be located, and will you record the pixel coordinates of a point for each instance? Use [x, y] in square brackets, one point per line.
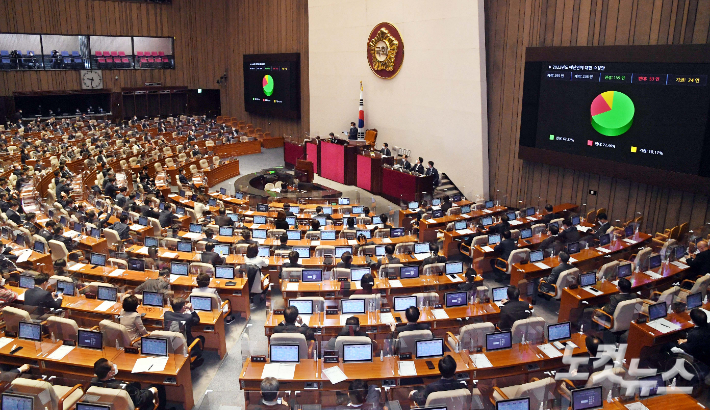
[369, 172]
[428, 227]
[221, 173]
[79, 363]
[337, 162]
[398, 186]
[664, 402]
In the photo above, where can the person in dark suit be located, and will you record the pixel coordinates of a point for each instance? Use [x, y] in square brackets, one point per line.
[447, 368]
[182, 178]
[40, 297]
[385, 150]
[433, 171]
[121, 227]
[552, 239]
[551, 279]
[352, 133]
[569, 232]
[405, 164]
[470, 284]
[346, 260]
[210, 256]
[57, 236]
[700, 263]
[389, 258]
[513, 309]
[293, 323]
[623, 295]
[12, 213]
[280, 221]
[506, 246]
[209, 236]
[696, 344]
[446, 204]
[246, 237]
[283, 240]
[106, 372]
[418, 167]
[109, 189]
[351, 328]
[412, 315]
[269, 396]
[604, 225]
[434, 256]
[549, 215]
[222, 219]
[293, 257]
[500, 227]
[166, 217]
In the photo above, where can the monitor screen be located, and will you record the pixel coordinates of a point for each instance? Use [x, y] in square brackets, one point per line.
[142, 220]
[291, 220]
[530, 211]
[78, 227]
[150, 241]
[226, 231]
[224, 272]
[283, 353]
[27, 281]
[654, 261]
[38, 247]
[489, 204]
[604, 239]
[365, 232]
[136, 264]
[456, 299]
[511, 216]
[587, 279]
[679, 252]
[89, 339]
[201, 303]
[694, 300]
[264, 251]
[357, 273]
[498, 341]
[181, 193]
[380, 250]
[62, 220]
[65, 288]
[154, 346]
[12, 401]
[234, 217]
[108, 293]
[526, 233]
[514, 404]
[328, 235]
[305, 307]
[223, 191]
[436, 202]
[178, 268]
[328, 210]
[262, 208]
[343, 201]
[96, 233]
[537, 256]
[212, 202]
[161, 206]
[153, 299]
[453, 268]
[376, 220]
[340, 250]
[555, 224]
[30, 331]
[180, 210]
[222, 249]
[624, 270]
[311, 275]
[585, 399]
[20, 240]
[239, 195]
[184, 246]
[437, 213]
[456, 198]
[429, 348]
[396, 232]
[402, 303]
[258, 233]
[572, 248]
[499, 293]
[460, 225]
[293, 235]
[98, 259]
[357, 352]
[649, 385]
[560, 331]
[303, 251]
[465, 209]
[358, 209]
[420, 248]
[409, 272]
[92, 406]
[629, 231]
[413, 205]
[321, 220]
[259, 219]
[657, 311]
[352, 306]
[294, 209]
[195, 228]
[493, 238]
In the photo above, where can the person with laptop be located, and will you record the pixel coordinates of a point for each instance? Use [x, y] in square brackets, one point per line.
[161, 284]
[383, 223]
[447, 368]
[551, 240]
[246, 237]
[551, 279]
[569, 232]
[209, 236]
[504, 248]
[181, 320]
[513, 309]
[40, 297]
[434, 256]
[412, 316]
[549, 215]
[131, 319]
[470, 285]
[253, 258]
[293, 323]
[623, 295]
[351, 328]
[57, 236]
[696, 344]
[167, 217]
[500, 227]
[269, 396]
[280, 222]
[389, 258]
[283, 242]
[212, 257]
[446, 204]
[222, 219]
[203, 285]
[346, 260]
[106, 371]
[700, 262]
[122, 227]
[293, 257]
[604, 225]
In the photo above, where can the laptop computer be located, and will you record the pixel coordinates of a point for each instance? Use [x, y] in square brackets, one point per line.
[365, 232]
[184, 246]
[694, 300]
[493, 239]
[429, 348]
[358, 210]
[526, 233]
[258, 233]
[152, 299]
[559, 332]
[587, 399]
[154, 346]
[221, 249]
[587, 279]
[649, 385]
[89, 339]
[657, 311]
[499, 341]
[30, 331]
[150, 241]
[487, 220]
[12, 401]
[413, 205]
[195, 228]
[65, 288]
[343, 201]
[27, 281]
[396, 232]
[201, 303]
[380, 250]
[573, 247]
[498, 294]
[38, 247]
[454, 268]
[421, 249]
[98, 259]
[624, 270]
[489, 204]
[259, 219]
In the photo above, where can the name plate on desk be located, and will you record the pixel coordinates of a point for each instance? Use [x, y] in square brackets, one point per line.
[437, 306]
[131, 350]
[342, 279]
[405, 356]
[385, 310]
[331, 311]
[294, 280]
[260, 359]
[278, 311]
[330, 359]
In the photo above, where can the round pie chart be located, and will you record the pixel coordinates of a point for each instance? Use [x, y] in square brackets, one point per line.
[612, 113]
[268, 84]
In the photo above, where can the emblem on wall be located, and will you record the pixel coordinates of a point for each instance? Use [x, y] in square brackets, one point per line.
[385, 51]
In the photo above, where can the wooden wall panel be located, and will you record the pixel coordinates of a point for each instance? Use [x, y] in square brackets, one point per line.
[513, 25]
[210, 38]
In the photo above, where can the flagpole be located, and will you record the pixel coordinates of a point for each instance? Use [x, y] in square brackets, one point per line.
[361, 118]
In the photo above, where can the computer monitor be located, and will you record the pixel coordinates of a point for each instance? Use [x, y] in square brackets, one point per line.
[312, 275]
[239, 195]
[575, 220]
[526, 233]
[201, 303]
[65, 288]
[588, 279]
[20, 239]
[460, 225]
[437, 213]
[180, 210]
[555, 224]
[694, 300]
[98, 259]
[181, 193]
[679, 252]
[511, 216]
[38, 247]
[293, 235]
[30, 331]
[258, 233]
[456, 299]
[364, 232]
[328, 235]
[294, 209]
[95, 233]
[27, 281]
[108, 293]
[303, 251]
[77, 227]
[89, 339]
[358, 209]
[587, 399]
[12, 401]
[456, 198]
[259, 219]
[489, 204]
[465, 209]
[284, 353]
[429, 348]
[380, 250]
[226, 231]
[402, 303]
[291, 221]
[357, 352]
[178, 268]
[649, 385]
[321, 220]
[396, 232]
[262, 208]
[629, 231]
[212, 202]
[560, 331]
[234, 217]
[657, 311]
[537, 256]
[624, 270]
[357, 273]
[376, 220]
[143, 221]
[161, 206]
[499, 293]
[152, 299]
[195, 228]
[409, 272]
[184, 246]
[328, 210]
[62, 220]
[222, 249]
[305, 307]
[572, 248]
[223, 191]
[530, 211]
[224, 272]
[154, 346]
[522, 403]
[136, 264]
[340, 250]
[454, 268]
[343, 201]
[498, 341]
[150, 241]
[420, 248]
[352, 306]
[436, 202]
[413, 205]
[92, 406]
[493, 238]
[654, 261]
[263, 252]
[604, 239]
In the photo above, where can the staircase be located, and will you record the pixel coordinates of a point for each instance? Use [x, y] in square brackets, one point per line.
[446, 187]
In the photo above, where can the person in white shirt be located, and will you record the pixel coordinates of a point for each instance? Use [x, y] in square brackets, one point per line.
[253, 258]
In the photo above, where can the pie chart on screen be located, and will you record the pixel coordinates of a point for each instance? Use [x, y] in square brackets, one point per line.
[612, 113]
[268, 84]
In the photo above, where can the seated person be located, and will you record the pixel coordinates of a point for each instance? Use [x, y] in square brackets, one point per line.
[504, 249]
[569, 232]
[433, 257]
[700, 262]
[604, 225]
[212, 257]
[696, 344]
[551, 279]
[246, 237]
[623, 295]
[40, 297]
[293, 258]
[181, 320]
[293, 323]
[513, 309]
[412, 315]
[362, 241]
[269, 396]
[447, 368]
[131, 319]
[57, 236]
[106, 372]
[389, 258]
[222, 219]
[160, 284]
[350, 224]
[549, 215]
[383, 224]
[367, 282]
[283, 240]
[470, 284]
[362, 396]
[209, 236]
[351, 328]
[346, 260]
[280, 222]
[122, 227]
[501, 226]
[551, 241]
[253, 258]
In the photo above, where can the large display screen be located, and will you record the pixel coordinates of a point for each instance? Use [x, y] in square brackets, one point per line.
[272, 84]
[636, 110]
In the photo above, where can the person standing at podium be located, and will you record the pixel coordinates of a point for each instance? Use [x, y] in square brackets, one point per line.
[352, 134]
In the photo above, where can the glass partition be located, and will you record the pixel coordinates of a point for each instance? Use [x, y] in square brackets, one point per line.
[111, 52]
[65, 52]
[20, 51]
[153, 52]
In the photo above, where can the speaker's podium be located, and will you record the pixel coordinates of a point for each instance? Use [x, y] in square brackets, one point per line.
[306, 170]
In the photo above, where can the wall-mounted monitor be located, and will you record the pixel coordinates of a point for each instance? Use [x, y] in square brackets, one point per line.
[272, 84]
